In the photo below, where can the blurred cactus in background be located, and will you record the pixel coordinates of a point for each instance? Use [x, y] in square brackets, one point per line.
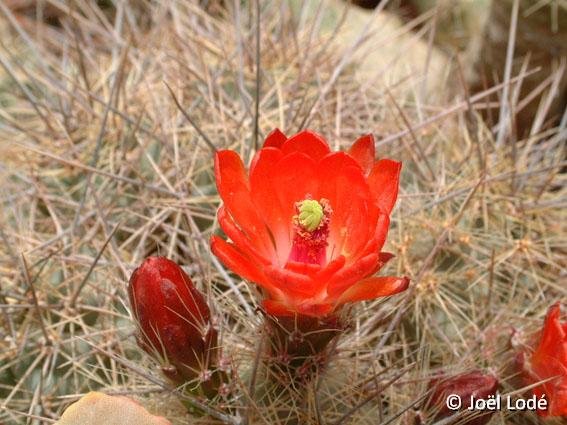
[540, 33]
[481, 28]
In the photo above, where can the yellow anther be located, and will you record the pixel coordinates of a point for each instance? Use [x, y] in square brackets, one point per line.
[310, 214]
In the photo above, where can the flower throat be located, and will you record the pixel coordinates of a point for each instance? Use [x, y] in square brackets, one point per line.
[311, 230]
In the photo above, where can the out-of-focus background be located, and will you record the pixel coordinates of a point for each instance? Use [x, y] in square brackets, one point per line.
[108, 110]
[477, 31]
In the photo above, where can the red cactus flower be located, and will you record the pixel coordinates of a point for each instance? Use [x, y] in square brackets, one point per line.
[173, 319]
[307, 224]
[473, 384]
[549, 360]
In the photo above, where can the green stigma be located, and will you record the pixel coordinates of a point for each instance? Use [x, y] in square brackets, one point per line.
[310, 214]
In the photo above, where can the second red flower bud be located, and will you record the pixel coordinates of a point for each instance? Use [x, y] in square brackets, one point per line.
[452, 393]
[174, 321]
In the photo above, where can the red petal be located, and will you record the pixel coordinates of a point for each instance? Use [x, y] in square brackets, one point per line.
[275, 139]
[549, 360]
[307, 142]
[552, 339]
[294, 177]
[330, 168]
[229, 171]
[232, 258]
[262, 183]
[349, 275]
[363, 151]
[558, 405]
[233, 186]
[295, 285]
[355, 222]
[334, 164]
[374, 287]
[332, 267]
[380, 232]
[353, 208]
[383, 181]
[263, 157]
[277, 186]
[383, 258]
[303, 268]
[240, 240]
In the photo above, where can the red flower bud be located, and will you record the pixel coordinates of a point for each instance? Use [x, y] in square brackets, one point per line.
[548, 362]
[474, 384]
[173, 318]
